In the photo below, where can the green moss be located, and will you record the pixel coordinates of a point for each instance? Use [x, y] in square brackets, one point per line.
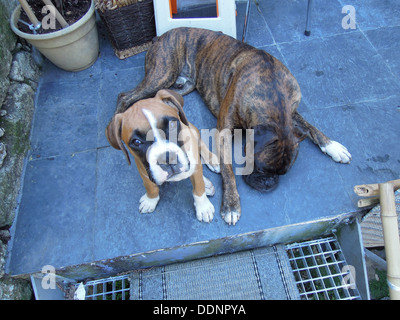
[17, 144]
[378, 287]
[8, 38]
[18, 135]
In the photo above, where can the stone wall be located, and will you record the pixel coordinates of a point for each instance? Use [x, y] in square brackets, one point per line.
[19, 76]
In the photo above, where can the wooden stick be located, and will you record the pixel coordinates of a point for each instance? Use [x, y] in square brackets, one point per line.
[368, 202]
[59, 17]
[368, 190]
[391, 238]
[30, 14]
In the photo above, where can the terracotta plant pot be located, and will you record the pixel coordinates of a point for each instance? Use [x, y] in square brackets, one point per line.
[74, 48]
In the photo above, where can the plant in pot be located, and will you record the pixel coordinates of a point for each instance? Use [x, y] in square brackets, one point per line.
[66, 33]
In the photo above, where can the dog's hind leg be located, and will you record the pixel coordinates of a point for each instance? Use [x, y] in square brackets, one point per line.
[149, 86]
[210, 189]
[161, 72]
[335, 150]
[209, 158]
[183, 85]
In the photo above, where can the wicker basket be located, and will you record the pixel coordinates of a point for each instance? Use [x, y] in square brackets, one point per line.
[130, 24]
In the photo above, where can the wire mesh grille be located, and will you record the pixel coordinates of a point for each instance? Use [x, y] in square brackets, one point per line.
[114, 288]
[321, 271]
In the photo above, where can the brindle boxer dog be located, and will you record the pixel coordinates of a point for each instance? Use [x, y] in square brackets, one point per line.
[243, 87]
[166, 147]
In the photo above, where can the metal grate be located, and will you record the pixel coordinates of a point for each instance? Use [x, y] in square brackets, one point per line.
[319, 267]
[114, 288]
[321, 271]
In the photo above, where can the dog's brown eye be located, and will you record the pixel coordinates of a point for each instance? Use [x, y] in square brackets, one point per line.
[136, 142]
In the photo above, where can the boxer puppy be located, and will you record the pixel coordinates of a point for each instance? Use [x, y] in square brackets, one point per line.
[244, 88]
[166, 147]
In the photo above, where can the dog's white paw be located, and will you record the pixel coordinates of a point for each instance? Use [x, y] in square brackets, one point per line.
[214, 167]
[146, 204]
[337, 152]
[204, 208]
[210, 190]
[231, 217]
[212, 162]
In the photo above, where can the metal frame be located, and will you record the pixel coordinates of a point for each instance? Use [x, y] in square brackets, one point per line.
[321, 271]
[307, 31]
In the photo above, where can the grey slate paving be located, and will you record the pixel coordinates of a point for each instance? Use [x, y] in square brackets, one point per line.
[282, 17]
[339, 70]
[56, 214]
[374, 14]
[71, 120]
[79, 201]
[387, 42]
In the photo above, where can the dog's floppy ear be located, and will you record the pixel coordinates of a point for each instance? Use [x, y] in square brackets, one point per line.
[113, 134]
[174, 100]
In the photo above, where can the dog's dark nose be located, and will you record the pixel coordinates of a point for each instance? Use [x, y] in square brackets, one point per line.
[261, 181]
[270, 183]
[169, 162]
[172, 169]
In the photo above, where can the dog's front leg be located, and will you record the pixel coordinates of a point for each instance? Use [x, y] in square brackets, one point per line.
[230, 207]
[334, 149]
[149, 200]
[202, 187]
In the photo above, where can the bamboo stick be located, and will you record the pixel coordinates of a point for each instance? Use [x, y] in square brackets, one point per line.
[30, 14]
[368, 202]
[367, 190]
[391, 238]
[59, 17]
